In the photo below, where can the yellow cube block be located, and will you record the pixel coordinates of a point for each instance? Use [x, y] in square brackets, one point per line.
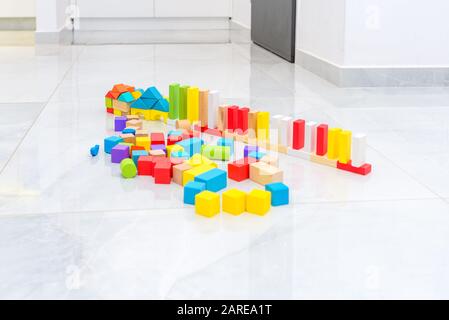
[143, 142]
[207, 204]
[189, 175]
[234, 201]
[173, 148]
[258, 202]
[332, 143]
[344, 146]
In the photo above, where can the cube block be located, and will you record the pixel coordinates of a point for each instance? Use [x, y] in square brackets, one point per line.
[191, 189]
[258, 202]
[111, 142]
[207, 204]
[215, 179]
[239, 170]
[234, 201]
[119, 152]
[279, 193]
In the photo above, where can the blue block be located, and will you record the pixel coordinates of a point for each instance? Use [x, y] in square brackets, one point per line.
[161, 105]
[191, 189]
[226, 143]
[175, 133]
[179, 154]
[140, 104]
[129, 130]
[279, 193]
[191, 146]
[137, 153]
[256, 155]
[94, 150]
[111, 142]
[126, 97]
[215, 179]
[152, 93]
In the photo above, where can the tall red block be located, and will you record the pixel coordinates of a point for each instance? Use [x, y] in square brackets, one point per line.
[157, 138]
[321, 139]
[298, 134]
[232, 118]
[242, 122]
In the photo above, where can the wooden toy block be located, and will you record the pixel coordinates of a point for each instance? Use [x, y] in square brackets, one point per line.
[276, 126]
[179, 155]
[263, 173]
[363, 170]
[138, 153]
[344, 146]
[191, 146]
[157, 153]
[279, 193]
[242, 138]
[119, 152]
[108, 102]
[117, 113]
[286, 133]
[162, 172]
[234, 201]
[207, 204]
[214, 102]
[204, 108]
[273, 161]
[321, 139]
[222, 153]
[183, 102]
[171, 140]
[129, 130]
[132, 117]
[156, 115]
[134, 123]
[128, 168]
[252, 125]
[310, 137]
[178, 172]
[130, 145]
[157, 138]
[358, 154]
[143, 142]
[94, 150]
[136, 94]
[175, 162]
[232, 120]
[183, 124]
[198, 160]
[193, 104]
[191, 189]
[111, 142]
[174, 101]
[173, 147]
[145, 166]
[119, 123]
[110, 110]
[141, 114]
[332, 143]
[142, 133]
[298, 134]
[121, 88]
[228, 134]
[215, 179]
[226, 143]
[121, 105]
[239, 170]
[189, 175]
[263, 126]
[323, 160]
[128, 138]
[222, 118]
[242, 122]
[135, 148]
[258, 202]
[299, 154]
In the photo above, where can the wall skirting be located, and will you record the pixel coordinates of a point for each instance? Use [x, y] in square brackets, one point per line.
[62, 37]
[374, 76]
[18, 24]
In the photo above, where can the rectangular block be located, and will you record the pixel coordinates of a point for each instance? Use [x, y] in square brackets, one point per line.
[162, 172]
[252, 125]
[232, 123]
[193, 104]
[214, 102]
[173, 112]
[204, 108]
[119, 123]
[299, 127]
[242, 122]
[191, 146]
[183, 102]
[263, 126]
[358, 155]
[215, 179]
[157, 138]
[222, 153]
[310, 137]
[143, 142]
[344, 146]
[189, 175]
[248, 149]
[363, 170]
[321, 139]
[263, 173]
[178, 172]
[332, 143]
[239, 170]
[286, 132]
[222, 117]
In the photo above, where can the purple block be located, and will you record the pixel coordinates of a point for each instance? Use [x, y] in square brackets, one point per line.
[159, 147]
[119, 123]
[119, 152]
[249, 149]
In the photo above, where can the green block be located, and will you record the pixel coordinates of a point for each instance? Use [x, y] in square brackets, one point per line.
[128, 168]
[183, 102]
[108, 102]
[173, 112]
[216, 152]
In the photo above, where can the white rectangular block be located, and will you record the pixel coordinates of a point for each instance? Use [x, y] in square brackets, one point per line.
[286, 132]
[214, 102]
[358, 150]
[275, 127]
[310, 137]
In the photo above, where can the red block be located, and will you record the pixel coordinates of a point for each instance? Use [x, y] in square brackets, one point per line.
[145, 166]
[321, 139]
[363, 170]
[162, 172]
[232, 118]
[242, 122]
[157, 138]
[213, 132]
[239, 170]
[136, 148]
[110, 110]
[298, 134]
[171, 140]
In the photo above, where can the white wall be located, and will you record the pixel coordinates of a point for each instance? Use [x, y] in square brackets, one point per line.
[51, 15]
[241, 12]
[17, 8]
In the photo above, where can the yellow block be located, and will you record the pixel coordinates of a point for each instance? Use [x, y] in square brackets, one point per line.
[156, 115]
[193, 104]
[143, 142]
[332, 143]
[173, 147]
[258, 202]
[117, 113]
[234, 201]
[198, 160]
[344, 146]
[207, 204]
[145, 113]
[263, 126]
[189, 175]
[136, 94]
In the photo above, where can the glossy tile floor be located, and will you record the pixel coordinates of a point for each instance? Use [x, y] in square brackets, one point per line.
[70, 227]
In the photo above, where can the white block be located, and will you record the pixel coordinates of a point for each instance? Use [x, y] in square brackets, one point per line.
[358, 150]
[214, 102]
[275, 126]
[310, 137]
[286, 132]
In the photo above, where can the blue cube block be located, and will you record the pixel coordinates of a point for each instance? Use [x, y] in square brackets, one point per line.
[137, 153]
[215, 179]
[191, 146]
[256, 155]
[248, 149]
[226, 143]
[191, 189]
[111, 142]
[279, 193]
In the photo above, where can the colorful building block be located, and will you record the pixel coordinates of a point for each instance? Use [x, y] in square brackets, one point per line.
[128, 168]
[157, 153]
[129, 131]
[239, 170]
[332, 143]
[298, 134]
[173, 148]
[184, 124]
[363, 170]
[191, 146]
[128, 138]
[358, 153]
[174, 101]
[234, 201]
[111, 142]
[145, 166]
[178, 172]
[193, 104]
[119, 123]
[162, 172]
[207, 204]
[310, 137]
[279, 193]
[232, 119]
[248, 149]
[183, 102]
[204, 108]
[252, 126]
[263, 126]
[257, 155]
[214, 102]
[119, 152]
[157, 138]
[263, 173]
[94, 150]
[271, 160]
[134, 123]
[136, 154]
[258, 202]
[226, 143]
[344, 146]
[222, 118]
[143, 142]
[191, 189]
[198, 160]
[189, 175]
[221, 153]
[215, 179]
[321, 139]
[242, 122]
